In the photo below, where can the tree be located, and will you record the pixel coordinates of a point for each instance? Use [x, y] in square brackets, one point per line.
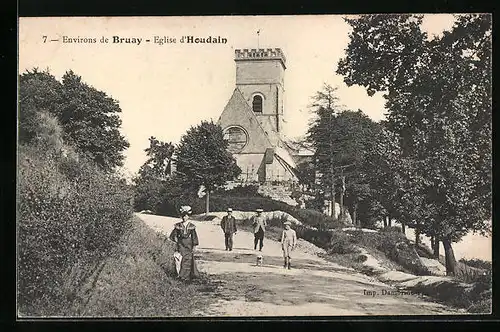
[353, 133]
[150, 185]
[90, 118]
[438, 94]
[306, 173]
[39, 92]
[320, 135]
[203, 159]
[159, 160]
[326, 98]
[340, 139]
[382, 167]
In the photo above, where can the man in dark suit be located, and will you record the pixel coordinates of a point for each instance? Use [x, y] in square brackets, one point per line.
[228, 225]
[259, 227]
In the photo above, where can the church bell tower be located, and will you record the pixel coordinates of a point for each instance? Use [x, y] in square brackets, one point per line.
[260, 78]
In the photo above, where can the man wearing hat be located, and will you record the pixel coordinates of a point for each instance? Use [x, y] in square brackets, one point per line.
[228, 225]
[259, 227]
[288, 243]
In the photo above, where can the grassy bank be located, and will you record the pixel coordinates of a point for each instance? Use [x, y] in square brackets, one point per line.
[71, 214]
[341, 247]
[138, 279]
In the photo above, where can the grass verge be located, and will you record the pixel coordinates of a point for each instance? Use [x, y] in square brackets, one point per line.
[138, 280]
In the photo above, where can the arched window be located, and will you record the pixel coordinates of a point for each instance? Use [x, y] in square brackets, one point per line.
[257, 104]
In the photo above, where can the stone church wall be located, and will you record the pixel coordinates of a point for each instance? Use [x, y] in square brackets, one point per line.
[250, 166]
[259, 72]
[257, 143]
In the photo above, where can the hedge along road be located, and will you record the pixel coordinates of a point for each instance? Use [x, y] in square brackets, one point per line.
[313, 287]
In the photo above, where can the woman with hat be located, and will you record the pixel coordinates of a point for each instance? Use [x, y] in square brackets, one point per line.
[185, 237]
[288, 243]
[259, 227]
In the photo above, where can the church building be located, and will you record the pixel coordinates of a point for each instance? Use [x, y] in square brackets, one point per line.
[254, 117]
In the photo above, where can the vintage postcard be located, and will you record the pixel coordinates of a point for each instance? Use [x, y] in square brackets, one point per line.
[237, 166]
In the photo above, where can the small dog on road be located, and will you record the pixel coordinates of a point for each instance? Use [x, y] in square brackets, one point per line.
[260, 260]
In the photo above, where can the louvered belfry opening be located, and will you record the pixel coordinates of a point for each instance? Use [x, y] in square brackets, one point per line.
[257, 104]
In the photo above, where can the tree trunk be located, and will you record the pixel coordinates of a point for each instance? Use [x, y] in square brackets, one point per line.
[403, 227]
[389, 221]
[417, 236]
[354, 220]
[451, 263]
[341, 202]
[332, 194]
[435, 247]
[207, 202]
[385, 221]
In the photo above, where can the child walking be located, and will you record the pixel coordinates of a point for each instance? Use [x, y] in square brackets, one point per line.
[288, 242]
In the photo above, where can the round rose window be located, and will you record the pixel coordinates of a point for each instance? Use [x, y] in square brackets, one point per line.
[237, 139]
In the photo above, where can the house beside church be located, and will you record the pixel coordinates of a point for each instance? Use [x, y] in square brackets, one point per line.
[254, 117]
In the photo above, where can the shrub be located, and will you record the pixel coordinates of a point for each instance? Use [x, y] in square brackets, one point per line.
[479, 273]
[246, 191]
[170, 205]
[243, 203]
[341, 243]
[308, 217]
[296, 195]
[272, 221]
[148, 192]
[317, 203]
[482, 303]
[469, 274]
[220, 202]
[424, 251]
[68, 212]
[398, 248]
[394, 245]
[313, 218]
[393, 229]
[317, 237]
[477, 263]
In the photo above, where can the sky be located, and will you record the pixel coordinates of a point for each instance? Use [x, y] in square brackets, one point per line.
[165, 89]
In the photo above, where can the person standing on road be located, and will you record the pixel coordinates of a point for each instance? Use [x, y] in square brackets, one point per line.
[228, 225]
[288, 243]
[186, 239]
[259, 227]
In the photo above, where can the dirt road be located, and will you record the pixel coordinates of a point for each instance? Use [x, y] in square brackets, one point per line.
[313, 287]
